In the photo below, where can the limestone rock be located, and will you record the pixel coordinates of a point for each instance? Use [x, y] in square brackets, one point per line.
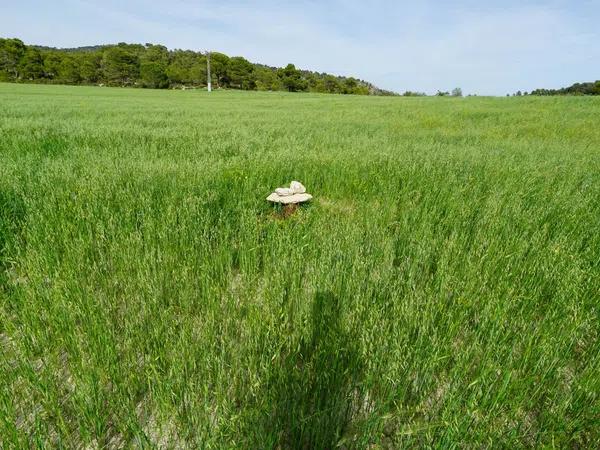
[288, 199]
[282, 192]
[296, 193]
[296, 187]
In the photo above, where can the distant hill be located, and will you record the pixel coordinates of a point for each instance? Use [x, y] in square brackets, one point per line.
[155, 66]
[590, 88]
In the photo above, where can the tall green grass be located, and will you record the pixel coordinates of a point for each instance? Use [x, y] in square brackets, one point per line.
[442, 289]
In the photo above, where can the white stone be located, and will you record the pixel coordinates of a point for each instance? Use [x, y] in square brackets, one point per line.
[284, 192]
[297, 187]
[288, 199]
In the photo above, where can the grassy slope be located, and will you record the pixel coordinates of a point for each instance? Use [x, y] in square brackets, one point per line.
[443, 287]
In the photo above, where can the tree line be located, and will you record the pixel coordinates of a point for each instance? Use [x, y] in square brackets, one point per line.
[590, 88]
[154, 66]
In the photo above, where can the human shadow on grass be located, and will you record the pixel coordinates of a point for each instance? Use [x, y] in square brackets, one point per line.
[314, 389]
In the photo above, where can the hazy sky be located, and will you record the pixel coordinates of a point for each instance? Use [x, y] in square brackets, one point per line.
[485, 47]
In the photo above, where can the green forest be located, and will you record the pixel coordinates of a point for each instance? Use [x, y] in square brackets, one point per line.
[591, 88]
[155, 66]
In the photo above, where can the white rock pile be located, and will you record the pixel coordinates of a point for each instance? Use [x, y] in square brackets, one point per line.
[296, 193]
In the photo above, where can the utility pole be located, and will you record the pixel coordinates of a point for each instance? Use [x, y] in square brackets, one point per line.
[209, 87]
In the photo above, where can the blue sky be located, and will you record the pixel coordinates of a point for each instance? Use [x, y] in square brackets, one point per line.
[486, 47]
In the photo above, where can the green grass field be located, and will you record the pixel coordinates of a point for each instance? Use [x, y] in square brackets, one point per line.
[442, 289]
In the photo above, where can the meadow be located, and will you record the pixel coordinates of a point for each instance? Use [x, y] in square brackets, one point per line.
[442, 289]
